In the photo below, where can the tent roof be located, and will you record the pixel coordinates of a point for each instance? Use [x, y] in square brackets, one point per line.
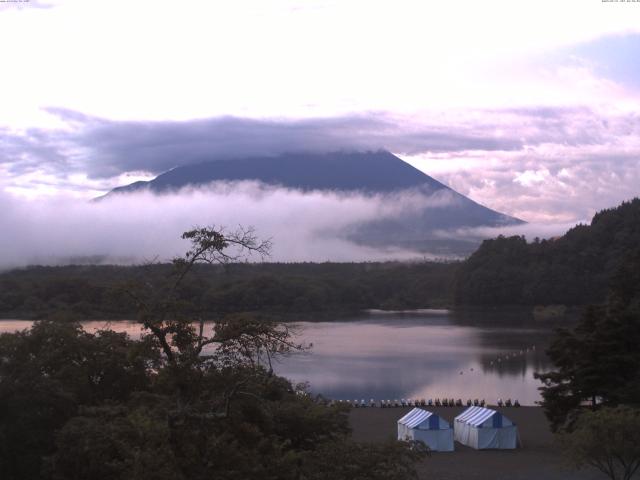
[475, 416]
[416, 417]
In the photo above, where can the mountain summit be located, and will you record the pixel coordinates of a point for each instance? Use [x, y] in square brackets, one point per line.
[370, 173]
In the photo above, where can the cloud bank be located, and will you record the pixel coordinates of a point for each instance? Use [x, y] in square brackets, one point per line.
[139, 227]
[142, 226]
[106, 148]
[135, 227]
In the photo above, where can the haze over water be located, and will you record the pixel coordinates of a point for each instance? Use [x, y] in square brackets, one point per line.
[425, 354]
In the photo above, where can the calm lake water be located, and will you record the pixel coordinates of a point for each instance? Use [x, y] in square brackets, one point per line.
[423, 354]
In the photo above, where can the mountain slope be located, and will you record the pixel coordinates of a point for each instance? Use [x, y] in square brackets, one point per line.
[370, 173]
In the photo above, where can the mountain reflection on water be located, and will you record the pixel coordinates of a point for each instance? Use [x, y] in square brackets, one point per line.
[422, 354]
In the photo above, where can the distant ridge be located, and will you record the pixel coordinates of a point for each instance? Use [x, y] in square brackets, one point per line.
[378, 172]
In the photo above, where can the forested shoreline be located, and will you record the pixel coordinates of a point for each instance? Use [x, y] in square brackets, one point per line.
[572, 270]
[282, 289]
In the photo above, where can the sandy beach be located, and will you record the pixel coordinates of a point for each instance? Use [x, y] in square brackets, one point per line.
[538, 459]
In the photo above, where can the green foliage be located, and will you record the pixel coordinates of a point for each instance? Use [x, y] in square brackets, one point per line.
[387, 461]
[180, 403]
[574, 269]
[114, 443]
[47, 372]
[599, 360]
[608, 439]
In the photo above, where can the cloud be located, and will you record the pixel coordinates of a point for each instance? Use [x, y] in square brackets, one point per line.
[529, 230]
[106, 148]
[610, 56]
[256, 58]
[573, 163]
[130, 228]
[552, 183]
[533, 177]
[540, 164]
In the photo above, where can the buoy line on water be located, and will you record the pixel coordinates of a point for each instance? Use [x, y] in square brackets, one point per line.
[515, 354]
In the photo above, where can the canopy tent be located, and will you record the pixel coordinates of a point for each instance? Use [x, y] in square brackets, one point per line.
[483, 428]
[423, 425]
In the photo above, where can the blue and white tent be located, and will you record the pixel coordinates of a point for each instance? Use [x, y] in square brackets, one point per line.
[482, 428]
[423, 425]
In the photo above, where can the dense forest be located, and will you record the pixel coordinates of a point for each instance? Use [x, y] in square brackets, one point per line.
[574, 269]
[278, 288]
[592, 395]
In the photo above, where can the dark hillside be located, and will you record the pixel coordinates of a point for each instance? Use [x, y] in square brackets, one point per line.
[574, 269]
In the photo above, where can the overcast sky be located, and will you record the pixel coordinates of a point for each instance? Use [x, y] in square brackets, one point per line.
[528, 107]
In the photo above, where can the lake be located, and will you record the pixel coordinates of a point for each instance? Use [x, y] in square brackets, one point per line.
[421, 354]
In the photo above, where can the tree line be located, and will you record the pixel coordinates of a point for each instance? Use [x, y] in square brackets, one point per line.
[277, 288]
[575, 269]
